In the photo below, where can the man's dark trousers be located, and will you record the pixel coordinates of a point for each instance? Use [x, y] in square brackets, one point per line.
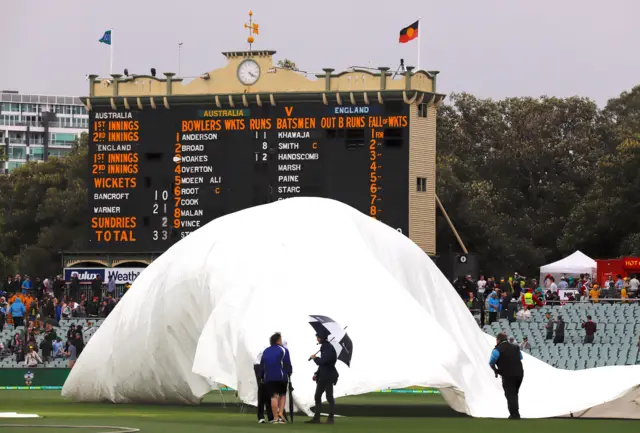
[264, 400]
[326, 388]
[511, 386]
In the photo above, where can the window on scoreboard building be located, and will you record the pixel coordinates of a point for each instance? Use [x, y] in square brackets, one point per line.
[421, 184]
[422, 110]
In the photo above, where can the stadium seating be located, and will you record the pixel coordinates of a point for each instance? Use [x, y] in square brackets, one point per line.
[615, 342]
[61, 331]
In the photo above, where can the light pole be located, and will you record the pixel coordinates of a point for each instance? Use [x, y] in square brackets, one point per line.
[179, 56]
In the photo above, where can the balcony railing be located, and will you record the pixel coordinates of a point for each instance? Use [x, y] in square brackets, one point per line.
[39, 124]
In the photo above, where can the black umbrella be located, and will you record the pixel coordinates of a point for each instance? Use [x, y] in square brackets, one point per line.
[291, 399]
[337, 336]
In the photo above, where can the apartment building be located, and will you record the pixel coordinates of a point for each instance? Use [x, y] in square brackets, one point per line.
[35, 127]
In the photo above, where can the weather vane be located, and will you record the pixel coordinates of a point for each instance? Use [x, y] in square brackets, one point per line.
[253, 29]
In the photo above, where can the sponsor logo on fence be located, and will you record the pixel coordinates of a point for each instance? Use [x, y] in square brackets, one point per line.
[120, 275]
[28, 378]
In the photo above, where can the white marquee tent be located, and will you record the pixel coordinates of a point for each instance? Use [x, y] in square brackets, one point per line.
[575, 264]
[201, 313]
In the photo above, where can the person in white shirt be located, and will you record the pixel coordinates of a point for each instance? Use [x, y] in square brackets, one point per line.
[525, 344]
[553, 286]
[634, 284]
[32, 359]
[524, 314]
[482, 283]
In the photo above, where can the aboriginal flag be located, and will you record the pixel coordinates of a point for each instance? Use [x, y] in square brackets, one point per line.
[409, 33]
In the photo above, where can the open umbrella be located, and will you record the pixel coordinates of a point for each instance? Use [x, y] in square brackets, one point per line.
[337, 336]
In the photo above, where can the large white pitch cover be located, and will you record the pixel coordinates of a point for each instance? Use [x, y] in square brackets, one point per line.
[202, 312]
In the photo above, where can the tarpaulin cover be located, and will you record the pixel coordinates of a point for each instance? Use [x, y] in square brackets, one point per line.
[201, 313]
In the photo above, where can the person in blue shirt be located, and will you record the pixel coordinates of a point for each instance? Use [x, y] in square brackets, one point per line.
[276, 369]
[493, 304]
[506, 361]
[17, 310]
[57, 348]
[27, 284]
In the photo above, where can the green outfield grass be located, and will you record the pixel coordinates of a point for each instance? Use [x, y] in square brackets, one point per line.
[425, 412]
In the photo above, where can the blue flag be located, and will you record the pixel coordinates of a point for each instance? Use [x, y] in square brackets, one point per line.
[106, 38]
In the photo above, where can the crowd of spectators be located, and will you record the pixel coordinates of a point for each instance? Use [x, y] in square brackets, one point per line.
[513, 297]
[35, 307]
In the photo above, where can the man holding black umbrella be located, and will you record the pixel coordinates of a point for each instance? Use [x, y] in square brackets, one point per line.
[326, 376]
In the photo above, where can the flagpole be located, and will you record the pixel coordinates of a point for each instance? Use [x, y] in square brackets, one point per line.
[111, 53]
[419, 39]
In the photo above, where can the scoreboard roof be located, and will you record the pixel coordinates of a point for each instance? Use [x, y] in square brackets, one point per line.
[224, 86]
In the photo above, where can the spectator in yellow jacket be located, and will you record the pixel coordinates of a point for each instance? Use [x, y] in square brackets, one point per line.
[594, 293]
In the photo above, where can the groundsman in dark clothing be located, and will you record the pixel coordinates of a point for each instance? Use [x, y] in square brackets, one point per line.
[506, 361]
[326, 377]
[263, 398]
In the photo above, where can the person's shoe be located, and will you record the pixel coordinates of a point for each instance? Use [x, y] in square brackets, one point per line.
[330, 420]
[313, 420]
[261, 421]
[273, 421]
[514, 416]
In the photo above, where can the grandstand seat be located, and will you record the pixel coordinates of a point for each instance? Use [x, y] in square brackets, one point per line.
[614, 343]
[88, 331]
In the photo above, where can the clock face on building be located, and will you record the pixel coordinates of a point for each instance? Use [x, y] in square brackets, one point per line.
[248, 72]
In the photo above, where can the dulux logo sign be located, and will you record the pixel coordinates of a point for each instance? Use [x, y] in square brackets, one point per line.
[84, 275]
[120, 275]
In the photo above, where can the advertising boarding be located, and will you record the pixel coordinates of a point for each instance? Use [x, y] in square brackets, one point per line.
[120, 275]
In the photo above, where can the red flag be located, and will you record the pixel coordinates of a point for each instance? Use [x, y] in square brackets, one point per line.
[409, 33]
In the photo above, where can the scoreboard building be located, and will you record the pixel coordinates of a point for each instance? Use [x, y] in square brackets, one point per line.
[168, 156]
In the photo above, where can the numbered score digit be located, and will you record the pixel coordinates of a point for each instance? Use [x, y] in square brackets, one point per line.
[164, 195]
[157, 234]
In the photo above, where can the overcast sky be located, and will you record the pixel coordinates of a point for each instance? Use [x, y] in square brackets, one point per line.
[492, 48]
